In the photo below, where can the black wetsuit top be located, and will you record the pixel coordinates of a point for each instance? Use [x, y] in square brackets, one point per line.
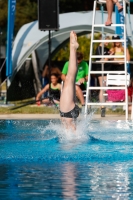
[55, 93]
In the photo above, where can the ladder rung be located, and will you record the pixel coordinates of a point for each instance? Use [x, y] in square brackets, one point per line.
[106, 88]
[104, 2]
[103, 25]
[107, 103]
[108, 61]
[123, 40]
[108, 72]
[113, 61]
[108, 56]
[99, 41]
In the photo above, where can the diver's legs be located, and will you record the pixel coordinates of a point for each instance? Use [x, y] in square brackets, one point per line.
[67, 96]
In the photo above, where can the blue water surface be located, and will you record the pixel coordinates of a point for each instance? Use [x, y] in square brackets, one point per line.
[41, 160]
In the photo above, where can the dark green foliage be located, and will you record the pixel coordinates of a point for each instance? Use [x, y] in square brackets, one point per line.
[75, 5]
[26, 11]
[84, 47]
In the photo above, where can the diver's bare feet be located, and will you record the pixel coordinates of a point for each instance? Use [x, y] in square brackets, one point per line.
[73, 40]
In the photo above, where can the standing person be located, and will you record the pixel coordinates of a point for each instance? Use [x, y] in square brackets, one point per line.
[55, 89]
[69, 111]
[106, 67]
[110, 5]
[81, 77]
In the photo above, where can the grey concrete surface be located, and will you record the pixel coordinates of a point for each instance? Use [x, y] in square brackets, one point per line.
[57, 116]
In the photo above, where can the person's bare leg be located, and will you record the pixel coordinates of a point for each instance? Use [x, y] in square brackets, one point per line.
[80, 96]
[68, 93]
[119, 6]
[67, 96]
[46, 101]
[100, 79]
[109, 5]
[101, 97]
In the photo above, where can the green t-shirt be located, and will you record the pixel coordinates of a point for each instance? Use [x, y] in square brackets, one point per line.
[82, 72]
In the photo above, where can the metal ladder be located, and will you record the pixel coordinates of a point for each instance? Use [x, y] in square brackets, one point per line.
[88, 102]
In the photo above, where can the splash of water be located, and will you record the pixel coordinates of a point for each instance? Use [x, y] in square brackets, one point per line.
[64, 135]
[86, 129]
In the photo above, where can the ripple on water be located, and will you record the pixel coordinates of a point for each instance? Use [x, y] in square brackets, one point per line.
[46, 140]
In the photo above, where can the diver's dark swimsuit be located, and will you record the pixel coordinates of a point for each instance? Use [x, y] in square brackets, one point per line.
[74, 113]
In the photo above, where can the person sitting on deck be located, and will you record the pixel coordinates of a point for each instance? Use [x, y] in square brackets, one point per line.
[54, 89]
[45, 75]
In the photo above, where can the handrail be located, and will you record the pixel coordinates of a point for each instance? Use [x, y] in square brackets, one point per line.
[109, 61]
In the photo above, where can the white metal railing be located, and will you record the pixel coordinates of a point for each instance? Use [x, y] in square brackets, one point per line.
[107, 56]
[104, 1]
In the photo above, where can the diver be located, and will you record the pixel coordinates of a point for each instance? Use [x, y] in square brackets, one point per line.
[69, 111]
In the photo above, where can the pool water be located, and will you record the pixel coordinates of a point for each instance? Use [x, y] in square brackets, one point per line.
[40, 160]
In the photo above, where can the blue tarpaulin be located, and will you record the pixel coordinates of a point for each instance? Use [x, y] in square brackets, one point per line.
[119, 20]
[10, 29]
[120, 30]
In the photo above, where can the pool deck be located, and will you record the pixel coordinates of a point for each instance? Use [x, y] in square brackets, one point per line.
[57, 116]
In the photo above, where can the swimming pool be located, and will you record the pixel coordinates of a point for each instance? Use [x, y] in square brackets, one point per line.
[38, 160]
